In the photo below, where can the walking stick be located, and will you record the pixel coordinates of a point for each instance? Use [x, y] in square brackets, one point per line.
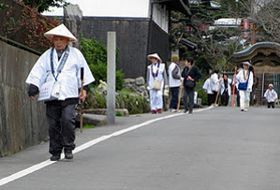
[233, 88]
[179, 97]
[80, 101]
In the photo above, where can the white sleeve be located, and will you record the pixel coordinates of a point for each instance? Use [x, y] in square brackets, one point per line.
[238, 77]
[251, 80]
[88, 77]
[265, 94]
[38, 73]
[205, 85]
[215, 78]
[276, 96]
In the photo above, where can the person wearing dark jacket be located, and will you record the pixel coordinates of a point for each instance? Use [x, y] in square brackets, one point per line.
[190, 76]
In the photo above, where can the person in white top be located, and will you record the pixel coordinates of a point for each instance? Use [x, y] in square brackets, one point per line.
[174, 73]
[214, 82]
[270, 96]
[57, 77]
[244, 83]
[156, 81]
[208, 89]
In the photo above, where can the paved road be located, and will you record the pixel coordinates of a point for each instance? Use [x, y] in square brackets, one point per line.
[217, 149]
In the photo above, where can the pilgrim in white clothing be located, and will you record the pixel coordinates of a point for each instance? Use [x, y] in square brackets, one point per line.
[156, 81]
[56, 77]
[270, 96]
[208, 89]
[244, 75]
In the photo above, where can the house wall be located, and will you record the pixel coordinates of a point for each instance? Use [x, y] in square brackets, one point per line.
[108, 8]
[136, 37]
[22, 121]
[159, 42]
[131, 36]
[160, 15]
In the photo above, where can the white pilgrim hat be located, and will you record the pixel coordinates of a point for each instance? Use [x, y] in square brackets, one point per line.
[60, 30]
[246, 63]
[270, 85]
[154, 55]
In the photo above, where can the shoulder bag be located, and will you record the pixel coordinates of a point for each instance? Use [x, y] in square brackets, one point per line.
[244, 85]
[189, 83]
[156, 85]
[51, 88]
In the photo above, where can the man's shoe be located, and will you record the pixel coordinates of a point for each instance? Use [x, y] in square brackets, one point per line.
[153, 111]
[159, 110]
[68, 154]
[55, 157]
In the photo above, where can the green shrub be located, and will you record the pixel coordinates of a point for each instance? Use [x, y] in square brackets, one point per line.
[201, 93]
[96, 55]
[95, 100]
[100, 73]
[133, 102]
[94, 51]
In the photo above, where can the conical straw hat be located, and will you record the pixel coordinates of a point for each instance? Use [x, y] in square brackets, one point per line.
[60, 30]
[154, 55]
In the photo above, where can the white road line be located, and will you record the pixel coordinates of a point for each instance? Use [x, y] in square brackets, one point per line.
[84, 146]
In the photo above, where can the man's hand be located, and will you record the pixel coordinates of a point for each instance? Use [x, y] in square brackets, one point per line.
[83, 95]
[32, 97]
[190, 78]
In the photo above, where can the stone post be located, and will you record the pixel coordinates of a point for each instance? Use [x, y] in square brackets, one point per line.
[111, 77]
[72, 19]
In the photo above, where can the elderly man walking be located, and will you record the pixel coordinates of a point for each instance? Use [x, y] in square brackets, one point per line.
[56, 77]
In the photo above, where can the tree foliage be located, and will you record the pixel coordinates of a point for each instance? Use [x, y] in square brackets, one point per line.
[214, 46]
[96, 55]
[268, 22]
[43, 5]
[24, 25]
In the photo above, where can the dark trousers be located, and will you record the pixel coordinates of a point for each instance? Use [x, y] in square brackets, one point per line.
[209, 99]
[61, 120]
[270, 104]
[189, 99]
[214, 96]
[224, 99]
[174, 97]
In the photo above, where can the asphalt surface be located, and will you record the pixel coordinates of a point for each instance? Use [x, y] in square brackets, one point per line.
[217, 149]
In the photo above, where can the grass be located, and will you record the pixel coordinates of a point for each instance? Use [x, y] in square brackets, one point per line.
[88, 126]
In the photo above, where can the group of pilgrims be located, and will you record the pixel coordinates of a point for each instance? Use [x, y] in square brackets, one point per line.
[181, 83]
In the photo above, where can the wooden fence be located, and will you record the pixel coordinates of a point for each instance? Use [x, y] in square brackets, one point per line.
[22, 121]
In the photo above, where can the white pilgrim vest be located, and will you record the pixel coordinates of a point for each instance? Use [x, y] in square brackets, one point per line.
[69, 78]
[173, 82]
[241, 78]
